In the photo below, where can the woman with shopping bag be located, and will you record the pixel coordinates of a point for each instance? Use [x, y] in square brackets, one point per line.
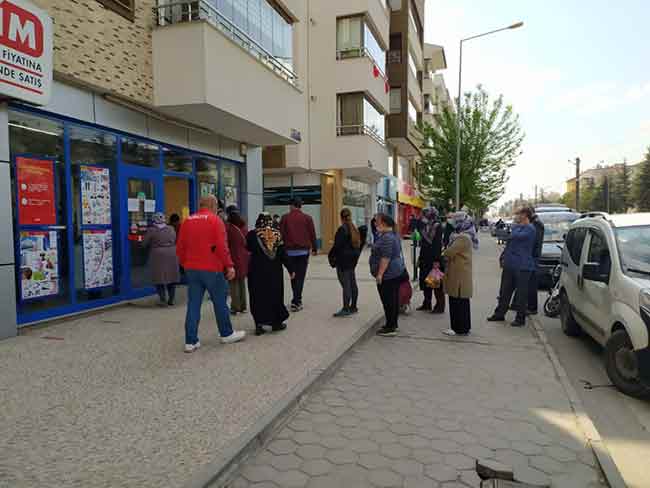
[430, 262]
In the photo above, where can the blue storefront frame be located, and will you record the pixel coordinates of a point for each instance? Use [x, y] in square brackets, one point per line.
[119, 218]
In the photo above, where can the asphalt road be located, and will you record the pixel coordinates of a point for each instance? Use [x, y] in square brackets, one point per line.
[623, 422]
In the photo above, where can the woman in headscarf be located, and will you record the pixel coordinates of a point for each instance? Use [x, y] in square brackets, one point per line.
[458, 280]
[265, 280]
[163, 263]
[240, 257]
[431, 256]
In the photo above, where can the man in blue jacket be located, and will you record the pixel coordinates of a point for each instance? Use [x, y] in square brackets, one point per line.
[518, 264]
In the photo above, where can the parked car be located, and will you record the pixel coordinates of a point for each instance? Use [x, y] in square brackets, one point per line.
[606, 293]
[556, 226]
[552, 207]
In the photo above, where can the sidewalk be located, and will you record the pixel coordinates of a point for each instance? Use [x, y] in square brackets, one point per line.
[111, 400]
[419, 409]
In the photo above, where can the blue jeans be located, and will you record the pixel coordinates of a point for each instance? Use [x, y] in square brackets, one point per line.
[217, 286]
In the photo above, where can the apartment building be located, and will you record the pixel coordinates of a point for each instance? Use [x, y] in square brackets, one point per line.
[152, 105]
[436, 94]
[364, 100]
[596, 176]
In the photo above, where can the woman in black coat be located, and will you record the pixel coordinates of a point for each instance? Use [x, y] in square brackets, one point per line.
[344, 256]
[430, 256]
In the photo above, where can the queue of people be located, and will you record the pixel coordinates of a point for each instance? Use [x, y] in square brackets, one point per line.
[217, 254]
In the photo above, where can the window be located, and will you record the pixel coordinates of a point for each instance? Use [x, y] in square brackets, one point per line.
[599, 252]
[177, 161]
[140, 153]
[395, 100]
[354, 38]
[574, 243]
[357, 115]
[413, 112]
[413, 21]
[412, 66]
[125, 8]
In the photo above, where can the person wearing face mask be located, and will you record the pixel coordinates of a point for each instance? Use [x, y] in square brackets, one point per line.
[518, 264]
[450, 226]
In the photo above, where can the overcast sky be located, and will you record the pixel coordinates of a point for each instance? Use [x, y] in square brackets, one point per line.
[578, 74]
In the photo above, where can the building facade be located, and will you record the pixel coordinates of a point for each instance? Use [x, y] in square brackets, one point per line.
[595, 176]
[152, 106]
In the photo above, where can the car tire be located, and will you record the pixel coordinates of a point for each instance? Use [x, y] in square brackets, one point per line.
[569, 325]
[622, 367]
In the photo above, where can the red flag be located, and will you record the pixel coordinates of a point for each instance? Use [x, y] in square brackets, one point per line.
[375, 71]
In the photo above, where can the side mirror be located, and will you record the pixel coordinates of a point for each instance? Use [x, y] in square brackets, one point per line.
[592, 272]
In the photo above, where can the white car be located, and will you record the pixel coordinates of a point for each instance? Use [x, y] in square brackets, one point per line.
[605, 292]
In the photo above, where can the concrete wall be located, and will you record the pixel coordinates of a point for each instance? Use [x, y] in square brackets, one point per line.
[100, 47]
[7, 261]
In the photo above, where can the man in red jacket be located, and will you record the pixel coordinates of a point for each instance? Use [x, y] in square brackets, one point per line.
[299, 236]
[203, 251]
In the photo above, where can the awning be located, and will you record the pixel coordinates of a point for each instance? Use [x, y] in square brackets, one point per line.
[413, 201]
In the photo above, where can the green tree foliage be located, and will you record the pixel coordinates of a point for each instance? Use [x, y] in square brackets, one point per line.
[490, 144]
[587, 195]
[622, 191]
[642, 185]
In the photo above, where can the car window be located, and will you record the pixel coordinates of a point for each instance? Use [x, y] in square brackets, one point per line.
[599, 252]
[575, 242]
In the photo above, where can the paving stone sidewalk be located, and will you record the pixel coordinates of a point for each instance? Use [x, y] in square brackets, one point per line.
[419, 409]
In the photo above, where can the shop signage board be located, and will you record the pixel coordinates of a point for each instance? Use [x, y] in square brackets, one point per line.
[25, 52]
[36, 191]
[98, 258]
[95, 195]
[39, 264]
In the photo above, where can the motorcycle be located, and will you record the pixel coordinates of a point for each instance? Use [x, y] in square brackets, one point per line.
[552, 304]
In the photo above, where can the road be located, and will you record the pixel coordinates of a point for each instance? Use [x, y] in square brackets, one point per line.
[623, 422]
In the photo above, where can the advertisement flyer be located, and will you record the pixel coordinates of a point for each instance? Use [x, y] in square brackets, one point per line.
[39, 264]
[95, 195]
[36, 191]
[98, 258]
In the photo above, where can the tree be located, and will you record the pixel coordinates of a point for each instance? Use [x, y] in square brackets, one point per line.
[587, 196]
[622, 194]
[490, 144]
[642, 185]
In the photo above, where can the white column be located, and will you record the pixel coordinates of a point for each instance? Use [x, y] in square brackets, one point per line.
[254, 185]
[7, 267]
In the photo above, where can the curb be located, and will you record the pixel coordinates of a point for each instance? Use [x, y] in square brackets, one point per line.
[217, 473]
[608, 466]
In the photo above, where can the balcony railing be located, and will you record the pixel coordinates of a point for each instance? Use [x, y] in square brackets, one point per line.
[360, 130]
[359, 52]
[197, 10]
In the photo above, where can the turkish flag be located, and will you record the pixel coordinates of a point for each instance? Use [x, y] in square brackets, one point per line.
[375, 71]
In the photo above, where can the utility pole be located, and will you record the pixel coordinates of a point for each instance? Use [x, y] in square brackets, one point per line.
[577, 184]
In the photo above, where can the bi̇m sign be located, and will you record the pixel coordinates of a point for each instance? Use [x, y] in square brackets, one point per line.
[25, 52]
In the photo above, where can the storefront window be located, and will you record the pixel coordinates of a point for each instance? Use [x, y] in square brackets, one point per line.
[356, 197]
[230, 178]
[177, 161]
[140, 153]
[39, 192]
[207, 175]
[93, 156]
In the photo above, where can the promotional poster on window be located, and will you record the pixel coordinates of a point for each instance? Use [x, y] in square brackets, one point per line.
[36, 191]
[98, 258]
[39, 264]
[95, 195]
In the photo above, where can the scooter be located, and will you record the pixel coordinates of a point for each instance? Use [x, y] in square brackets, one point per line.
[552, 304]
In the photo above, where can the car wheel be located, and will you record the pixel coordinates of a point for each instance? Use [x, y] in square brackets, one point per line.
[622, 365]
[569, 325]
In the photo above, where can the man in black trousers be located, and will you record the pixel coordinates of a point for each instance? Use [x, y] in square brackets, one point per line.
[534, 277]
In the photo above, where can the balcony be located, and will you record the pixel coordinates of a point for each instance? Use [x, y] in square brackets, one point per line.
[356, 71]
[427, 82]
[209, 72]
[415, 45]
[360, 152]
[414, 90]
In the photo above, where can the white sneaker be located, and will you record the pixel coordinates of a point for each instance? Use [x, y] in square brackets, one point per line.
[236, 336]
[449, 332]
[192, 347]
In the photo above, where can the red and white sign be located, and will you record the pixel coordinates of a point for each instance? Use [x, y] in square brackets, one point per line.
[36, 193]
[25, 52]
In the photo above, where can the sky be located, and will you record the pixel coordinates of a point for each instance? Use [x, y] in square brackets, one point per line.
[577, 73]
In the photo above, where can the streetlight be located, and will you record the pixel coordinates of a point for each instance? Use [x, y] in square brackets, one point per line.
[460, 76]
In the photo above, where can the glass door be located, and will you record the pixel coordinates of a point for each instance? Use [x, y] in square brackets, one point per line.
[143, 195]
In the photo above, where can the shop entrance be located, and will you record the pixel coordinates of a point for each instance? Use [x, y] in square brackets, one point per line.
[143, 194]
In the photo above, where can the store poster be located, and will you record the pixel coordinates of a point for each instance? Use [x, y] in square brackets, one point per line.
[207, 188]
[36, 191]
[98, 258]
[39, 264]
[230, 195]
[95, 195]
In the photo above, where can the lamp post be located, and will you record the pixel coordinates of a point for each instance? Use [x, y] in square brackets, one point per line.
[458, 114]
